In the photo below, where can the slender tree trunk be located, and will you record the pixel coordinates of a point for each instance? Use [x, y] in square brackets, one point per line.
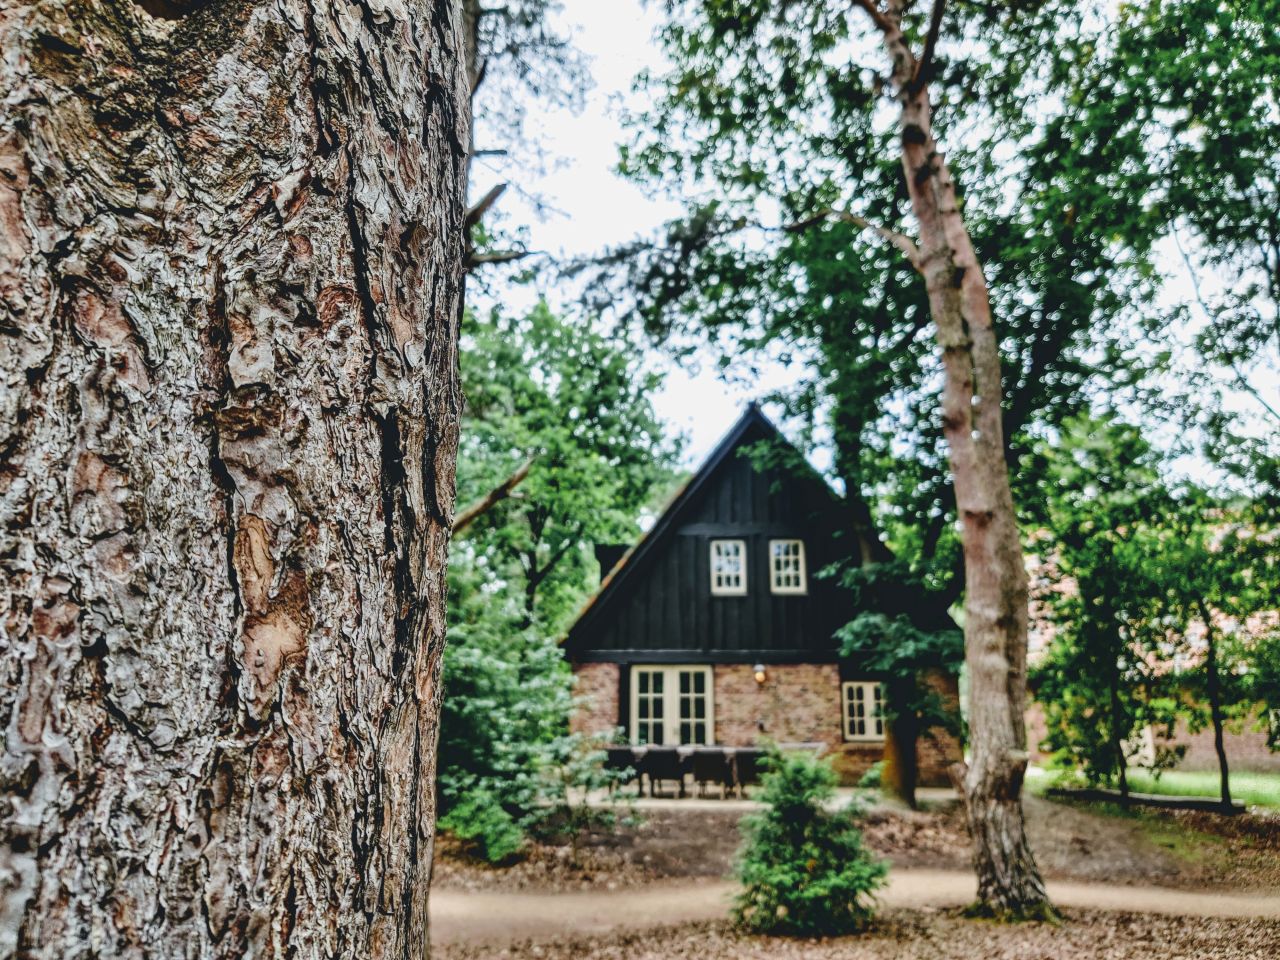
[1214, 684]
[900, 774]
[1117, 740]
[230, 267]
[995, 579]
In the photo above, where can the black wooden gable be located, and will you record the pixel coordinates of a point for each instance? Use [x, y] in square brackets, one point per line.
[656, 605]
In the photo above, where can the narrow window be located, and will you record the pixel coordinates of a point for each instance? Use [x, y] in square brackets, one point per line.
[863, 710]
[672, 706]
[648, 713]
[786, 566]
[728, 568]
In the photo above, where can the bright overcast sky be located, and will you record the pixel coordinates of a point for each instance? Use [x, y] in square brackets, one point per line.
[596, 208]
[593, 208]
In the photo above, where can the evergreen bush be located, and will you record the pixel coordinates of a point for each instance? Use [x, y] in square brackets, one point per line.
[803, 868]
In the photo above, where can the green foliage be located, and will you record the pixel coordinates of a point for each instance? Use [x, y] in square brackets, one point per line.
[579, 402]
[573, 399]
[1149, 575]
[894, 638]
[1263, 684]
[871, 779]
[803, 868]
[479, 818]
[1100, 490]
[770, 112]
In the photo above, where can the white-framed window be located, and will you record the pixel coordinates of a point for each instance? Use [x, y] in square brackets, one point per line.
[672, 706]
[786, 566]
[862, 710]
[728, 568]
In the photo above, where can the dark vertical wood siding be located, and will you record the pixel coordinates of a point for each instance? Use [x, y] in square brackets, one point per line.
[662, 605]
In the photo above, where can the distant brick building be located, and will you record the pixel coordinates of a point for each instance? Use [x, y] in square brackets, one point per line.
[1245, 739]
[714, 629]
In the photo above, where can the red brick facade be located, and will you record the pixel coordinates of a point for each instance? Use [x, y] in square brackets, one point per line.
[797, 703]
[597, 688]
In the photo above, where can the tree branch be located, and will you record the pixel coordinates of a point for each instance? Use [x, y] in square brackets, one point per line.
[899, 240]
[492, 498]
[920, 77]
[481, 207]
[474, 259]
[537, 576]
[1212, 316]
[878, 16]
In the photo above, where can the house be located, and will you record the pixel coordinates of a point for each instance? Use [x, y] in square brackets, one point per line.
[717, 629]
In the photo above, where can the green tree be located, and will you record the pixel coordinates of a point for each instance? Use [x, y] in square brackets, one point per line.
[774, 115]
[1195, 81]
[572, 405]
[1216, 568]
[803, 867]
[1100, 489]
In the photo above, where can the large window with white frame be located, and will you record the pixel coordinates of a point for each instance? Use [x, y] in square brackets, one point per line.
[728, 568]
[672, 706]
[863, 710]
[786, 566]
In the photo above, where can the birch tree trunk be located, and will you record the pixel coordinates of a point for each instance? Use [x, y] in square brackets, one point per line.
[995, 624]
[230, 267]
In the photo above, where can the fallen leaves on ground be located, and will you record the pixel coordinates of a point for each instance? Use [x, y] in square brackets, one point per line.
[922, 935]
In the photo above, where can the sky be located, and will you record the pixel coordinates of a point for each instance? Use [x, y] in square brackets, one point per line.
[590, 208]
[594, 208]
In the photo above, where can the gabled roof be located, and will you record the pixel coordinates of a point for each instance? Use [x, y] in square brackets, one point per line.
[753, 426]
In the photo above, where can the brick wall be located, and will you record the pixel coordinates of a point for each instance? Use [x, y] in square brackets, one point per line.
[1246, 750]
[797, 703]
[938, 751]
[596, 689]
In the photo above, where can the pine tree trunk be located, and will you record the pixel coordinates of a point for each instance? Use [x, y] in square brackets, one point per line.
[995, 625]
[230, 263]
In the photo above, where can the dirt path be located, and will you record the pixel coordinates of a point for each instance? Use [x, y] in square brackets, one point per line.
[501, 917]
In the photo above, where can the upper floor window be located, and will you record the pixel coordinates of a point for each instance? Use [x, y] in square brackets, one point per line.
[728, 568]
[863, 702]
[786, 566]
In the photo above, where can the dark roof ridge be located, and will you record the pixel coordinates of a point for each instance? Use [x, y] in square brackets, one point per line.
[752, 415]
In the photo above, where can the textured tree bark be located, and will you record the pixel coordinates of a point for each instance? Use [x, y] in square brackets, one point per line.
[995, 625]
[230, 265]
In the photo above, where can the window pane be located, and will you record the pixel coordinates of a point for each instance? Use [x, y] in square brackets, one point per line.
[728, 566]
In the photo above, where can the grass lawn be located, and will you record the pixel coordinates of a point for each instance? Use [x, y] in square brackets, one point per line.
[1262, 789]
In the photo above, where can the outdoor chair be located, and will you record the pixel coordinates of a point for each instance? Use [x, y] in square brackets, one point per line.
[621, 761]
[712, 765]
[747, 767]
[661, 764]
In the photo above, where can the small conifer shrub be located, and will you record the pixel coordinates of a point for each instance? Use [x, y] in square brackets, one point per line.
[803, 868]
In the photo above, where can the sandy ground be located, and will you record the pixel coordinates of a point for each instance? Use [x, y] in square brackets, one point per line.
[505, 917]
[1167, 886]
[1071, 843]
